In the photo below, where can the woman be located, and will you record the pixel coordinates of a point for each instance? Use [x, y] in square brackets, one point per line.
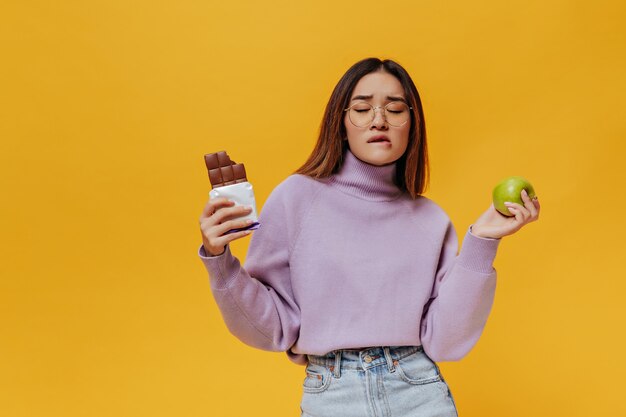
[353, 272]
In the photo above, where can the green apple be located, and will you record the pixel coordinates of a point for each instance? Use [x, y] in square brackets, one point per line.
[510, 189]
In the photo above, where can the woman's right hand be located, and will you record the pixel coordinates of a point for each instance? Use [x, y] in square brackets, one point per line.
[218, 217]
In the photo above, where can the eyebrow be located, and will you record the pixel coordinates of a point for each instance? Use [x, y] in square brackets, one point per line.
[368, 97]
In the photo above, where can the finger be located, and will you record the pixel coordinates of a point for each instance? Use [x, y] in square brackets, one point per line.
[521, 209]
[519, 216]
[232, 224]
[230, 213]
[528, 203]
[537, 207]
[526, 199]
[214, 204]
[224, 240]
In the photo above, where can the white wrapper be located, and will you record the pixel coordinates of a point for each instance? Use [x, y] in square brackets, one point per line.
[243, 195]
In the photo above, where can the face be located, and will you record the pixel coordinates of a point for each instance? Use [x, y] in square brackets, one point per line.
[378, 89]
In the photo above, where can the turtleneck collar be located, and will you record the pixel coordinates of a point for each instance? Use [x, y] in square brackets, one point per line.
[366, 181]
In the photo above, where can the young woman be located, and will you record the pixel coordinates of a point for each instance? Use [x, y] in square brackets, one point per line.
[353, 272]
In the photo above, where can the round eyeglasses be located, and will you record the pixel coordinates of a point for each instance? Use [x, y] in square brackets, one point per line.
[396, 113]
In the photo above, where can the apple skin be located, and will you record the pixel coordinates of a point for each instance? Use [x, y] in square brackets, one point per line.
[510, 189]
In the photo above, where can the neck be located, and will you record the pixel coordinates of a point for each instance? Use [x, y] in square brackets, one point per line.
[366, 181]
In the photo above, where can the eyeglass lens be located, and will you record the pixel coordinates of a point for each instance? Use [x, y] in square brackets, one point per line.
[396, 113]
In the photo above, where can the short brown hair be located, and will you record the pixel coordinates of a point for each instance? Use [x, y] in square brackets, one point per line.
[412, 172]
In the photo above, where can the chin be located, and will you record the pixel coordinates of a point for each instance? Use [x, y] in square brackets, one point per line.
[380, 161]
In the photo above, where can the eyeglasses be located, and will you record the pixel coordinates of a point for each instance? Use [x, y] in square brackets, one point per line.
[395, 113]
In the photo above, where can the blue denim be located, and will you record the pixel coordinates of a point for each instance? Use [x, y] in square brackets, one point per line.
[375, 382]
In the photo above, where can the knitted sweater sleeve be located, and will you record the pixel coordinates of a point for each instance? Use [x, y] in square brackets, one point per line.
[462, 296]
[256, 300]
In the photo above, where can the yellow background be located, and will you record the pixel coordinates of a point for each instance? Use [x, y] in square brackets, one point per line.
[107, 108]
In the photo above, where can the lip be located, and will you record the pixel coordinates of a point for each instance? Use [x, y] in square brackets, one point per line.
[379, 139]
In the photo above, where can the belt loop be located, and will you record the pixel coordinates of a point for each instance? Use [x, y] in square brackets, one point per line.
[390, 365]
[336, 371]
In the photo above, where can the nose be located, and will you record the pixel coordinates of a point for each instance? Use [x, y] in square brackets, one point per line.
[380, 121]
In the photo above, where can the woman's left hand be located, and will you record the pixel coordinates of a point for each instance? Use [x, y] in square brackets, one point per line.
[492, 224]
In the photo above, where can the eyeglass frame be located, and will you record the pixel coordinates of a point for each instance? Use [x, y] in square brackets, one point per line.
[374, 109]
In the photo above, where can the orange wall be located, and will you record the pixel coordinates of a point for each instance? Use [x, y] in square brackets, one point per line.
[107, 107]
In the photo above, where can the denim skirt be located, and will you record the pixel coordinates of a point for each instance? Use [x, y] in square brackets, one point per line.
[375, 382]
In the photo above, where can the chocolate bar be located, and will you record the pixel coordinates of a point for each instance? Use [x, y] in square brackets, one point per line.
[228, 180]
[223, 171]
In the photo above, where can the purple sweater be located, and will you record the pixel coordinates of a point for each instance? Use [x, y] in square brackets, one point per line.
[351, 261]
